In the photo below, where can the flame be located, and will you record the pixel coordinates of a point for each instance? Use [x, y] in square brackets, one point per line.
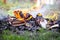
[25, 10]
[38, 3]
[53, 16]
[34, 7]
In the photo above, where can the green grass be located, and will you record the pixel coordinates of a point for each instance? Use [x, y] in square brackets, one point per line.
[41, 35]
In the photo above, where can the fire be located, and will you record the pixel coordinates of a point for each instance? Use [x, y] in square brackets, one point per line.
[38, 3]
[25, 10]
[34, 7]
[53, 16]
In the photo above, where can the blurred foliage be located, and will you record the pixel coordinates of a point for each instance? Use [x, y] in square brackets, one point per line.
[4, 6]
[15, 3]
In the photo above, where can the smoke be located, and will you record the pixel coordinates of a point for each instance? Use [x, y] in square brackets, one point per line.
[44, 11]
[3, 14]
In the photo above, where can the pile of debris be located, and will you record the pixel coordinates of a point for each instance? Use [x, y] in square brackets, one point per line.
[27, 22]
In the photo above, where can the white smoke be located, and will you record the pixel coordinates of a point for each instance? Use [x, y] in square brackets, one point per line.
[43, 11]
[3, 14]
